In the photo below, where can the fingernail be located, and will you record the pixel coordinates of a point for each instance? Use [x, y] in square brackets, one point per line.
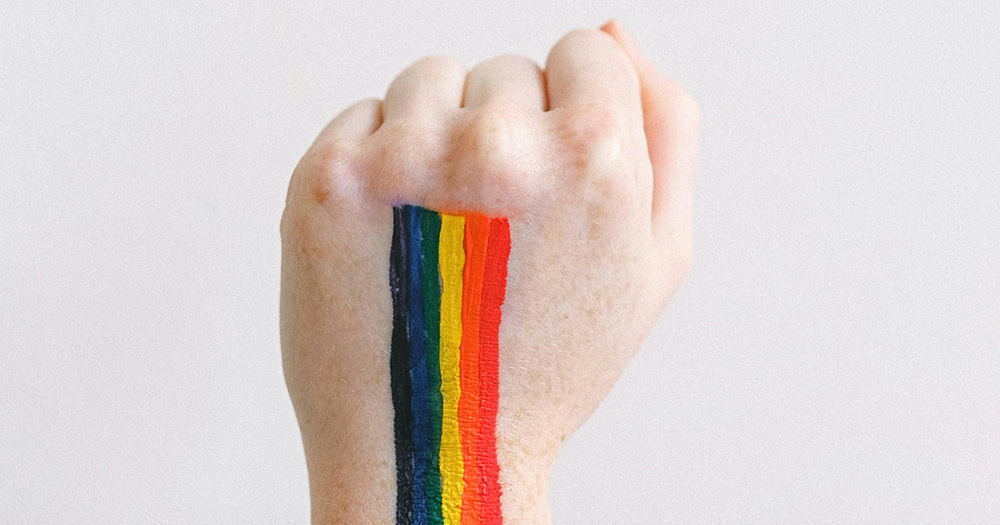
[627, 37]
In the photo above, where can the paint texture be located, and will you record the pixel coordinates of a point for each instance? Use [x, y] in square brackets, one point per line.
[447, 278]
[477, 229]
[452, 260]
[494, 290]
[420, 400]
[430, 229]
[399, 370]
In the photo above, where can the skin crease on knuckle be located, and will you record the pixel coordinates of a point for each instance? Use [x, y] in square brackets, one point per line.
[494, 156]
[485, 159]
[501, 160]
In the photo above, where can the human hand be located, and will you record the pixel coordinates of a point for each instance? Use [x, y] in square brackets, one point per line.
[591, 161]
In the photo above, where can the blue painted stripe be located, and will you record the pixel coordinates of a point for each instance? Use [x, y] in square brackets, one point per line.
[418, 365]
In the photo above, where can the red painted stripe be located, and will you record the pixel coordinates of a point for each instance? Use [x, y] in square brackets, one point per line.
[477, 228]
[494, 288]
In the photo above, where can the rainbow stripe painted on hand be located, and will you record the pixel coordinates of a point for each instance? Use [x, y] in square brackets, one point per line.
[448, 277]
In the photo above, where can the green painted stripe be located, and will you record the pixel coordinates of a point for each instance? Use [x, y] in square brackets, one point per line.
[430, 227]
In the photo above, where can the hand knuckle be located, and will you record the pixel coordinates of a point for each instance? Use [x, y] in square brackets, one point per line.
[435, 64]
[494, 146]
[583, 36]
[507, 61]
[324, 172]
[590, 137]
[400, 155]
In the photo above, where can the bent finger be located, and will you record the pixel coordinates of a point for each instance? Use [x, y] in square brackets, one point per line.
[671, 121]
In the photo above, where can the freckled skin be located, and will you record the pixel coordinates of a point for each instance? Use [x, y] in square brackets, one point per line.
[593, 169]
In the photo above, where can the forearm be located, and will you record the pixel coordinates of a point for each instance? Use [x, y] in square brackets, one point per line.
[352, 462]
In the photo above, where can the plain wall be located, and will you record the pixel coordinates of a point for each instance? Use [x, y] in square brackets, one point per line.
[834, 355]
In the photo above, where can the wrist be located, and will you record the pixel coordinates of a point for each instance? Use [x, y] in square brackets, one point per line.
[352, 472]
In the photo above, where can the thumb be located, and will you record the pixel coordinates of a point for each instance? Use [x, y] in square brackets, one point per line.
[671, 120]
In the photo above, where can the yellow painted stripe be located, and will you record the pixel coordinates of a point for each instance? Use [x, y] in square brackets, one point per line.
[451, 257]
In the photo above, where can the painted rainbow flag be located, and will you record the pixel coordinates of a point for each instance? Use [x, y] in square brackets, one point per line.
[448, 277]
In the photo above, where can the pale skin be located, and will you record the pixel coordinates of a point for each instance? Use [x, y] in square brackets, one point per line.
[591, 159]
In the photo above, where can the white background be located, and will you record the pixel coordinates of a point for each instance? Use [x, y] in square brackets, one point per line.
[833, 357]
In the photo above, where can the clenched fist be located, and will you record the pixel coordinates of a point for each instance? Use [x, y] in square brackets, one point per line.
[592, 162]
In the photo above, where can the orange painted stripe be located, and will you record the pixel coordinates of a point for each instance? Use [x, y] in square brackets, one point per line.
[477, 230]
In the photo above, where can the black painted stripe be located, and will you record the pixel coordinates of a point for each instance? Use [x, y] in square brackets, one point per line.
[399, 371]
